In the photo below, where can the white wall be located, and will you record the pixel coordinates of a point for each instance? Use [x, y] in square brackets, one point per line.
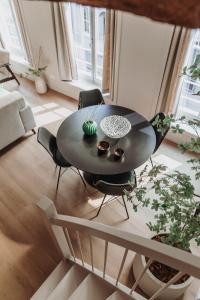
[144, 47]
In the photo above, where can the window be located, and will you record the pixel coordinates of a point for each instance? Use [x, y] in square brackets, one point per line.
[86, 19]
[88, 30]
[10, 32]
[188, 101]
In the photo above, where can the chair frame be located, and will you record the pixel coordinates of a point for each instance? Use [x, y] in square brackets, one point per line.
[115, 196]
[57, 165]
[103, 201]
[12, 77]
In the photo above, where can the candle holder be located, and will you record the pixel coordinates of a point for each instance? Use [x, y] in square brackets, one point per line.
[103, 147]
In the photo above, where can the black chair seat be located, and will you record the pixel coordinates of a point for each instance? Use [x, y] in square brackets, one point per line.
[123, 178]
[48, 141]
[60, 160]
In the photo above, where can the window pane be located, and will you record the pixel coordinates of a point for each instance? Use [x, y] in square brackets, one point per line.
[81, 32]
[87, 18]
[10, 31]
[88, 29]
[100, 14]
[188, 101]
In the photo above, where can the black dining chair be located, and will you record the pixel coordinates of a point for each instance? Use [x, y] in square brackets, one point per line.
[48, 141]
[89, 98]
[115, 185]
[159, 136]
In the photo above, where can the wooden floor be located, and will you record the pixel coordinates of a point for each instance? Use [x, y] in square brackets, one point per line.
[27, 254]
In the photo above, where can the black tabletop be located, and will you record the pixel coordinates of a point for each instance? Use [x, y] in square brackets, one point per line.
[81, 151]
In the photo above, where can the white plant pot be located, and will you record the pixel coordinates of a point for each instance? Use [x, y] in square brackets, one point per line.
[149, 284]
[40, 85]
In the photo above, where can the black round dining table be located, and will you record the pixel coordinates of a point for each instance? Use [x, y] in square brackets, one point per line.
[81, 151]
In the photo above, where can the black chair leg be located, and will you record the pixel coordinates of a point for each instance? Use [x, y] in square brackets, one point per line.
[58, 178]
[135, 178]
[125, 207]
[82, 178]
[151, 161]
[33, 130]
[104, 198]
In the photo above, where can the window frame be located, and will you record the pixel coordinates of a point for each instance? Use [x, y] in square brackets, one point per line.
[93, 78]
[184, 81]
[13, 54]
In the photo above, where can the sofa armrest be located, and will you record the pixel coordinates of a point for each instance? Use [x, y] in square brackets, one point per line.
[27, 118]
[10, 98]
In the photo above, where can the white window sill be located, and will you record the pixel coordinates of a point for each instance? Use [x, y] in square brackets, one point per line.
[84, 84]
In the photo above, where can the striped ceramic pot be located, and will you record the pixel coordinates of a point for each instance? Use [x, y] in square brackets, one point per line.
[89, 127]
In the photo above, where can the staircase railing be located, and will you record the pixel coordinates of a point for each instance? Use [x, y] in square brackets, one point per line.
[182, 261]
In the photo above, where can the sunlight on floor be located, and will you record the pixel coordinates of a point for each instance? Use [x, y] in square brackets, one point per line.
[97, 202]
[170, 163]
[162, 159]
[7, 242]
[49, 113]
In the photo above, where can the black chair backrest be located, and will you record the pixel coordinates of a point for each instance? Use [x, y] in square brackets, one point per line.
[113, 188]
[115, 184]
[89, 98]
[47, 140]
[159, 136]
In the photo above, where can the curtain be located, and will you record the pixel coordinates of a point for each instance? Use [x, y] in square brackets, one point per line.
[23, 31]
[65, 58]
[109, 51]
[178, 49]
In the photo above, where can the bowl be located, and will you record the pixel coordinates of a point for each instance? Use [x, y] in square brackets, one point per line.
[103, 147]
[118, 153]
[115, 126]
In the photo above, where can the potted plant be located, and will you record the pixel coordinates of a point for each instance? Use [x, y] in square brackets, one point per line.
[37, 74]
[176, 212]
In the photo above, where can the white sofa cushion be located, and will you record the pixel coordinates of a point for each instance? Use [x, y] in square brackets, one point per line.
[16, 118]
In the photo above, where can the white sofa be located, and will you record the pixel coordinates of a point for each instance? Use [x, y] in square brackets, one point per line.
[16, 117]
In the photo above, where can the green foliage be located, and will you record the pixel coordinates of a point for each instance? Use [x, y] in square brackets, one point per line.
[193, 71]
[176, 211]
[35, 72]
[195, 166]
[163, 124]
[172, 202]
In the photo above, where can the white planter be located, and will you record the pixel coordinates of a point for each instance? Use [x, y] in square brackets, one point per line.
[149, 284]
[40, 85]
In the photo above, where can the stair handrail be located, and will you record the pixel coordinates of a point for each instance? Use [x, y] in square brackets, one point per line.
[166, 254]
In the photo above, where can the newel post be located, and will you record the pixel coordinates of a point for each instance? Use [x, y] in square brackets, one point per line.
[198, 295]
[48, 207]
